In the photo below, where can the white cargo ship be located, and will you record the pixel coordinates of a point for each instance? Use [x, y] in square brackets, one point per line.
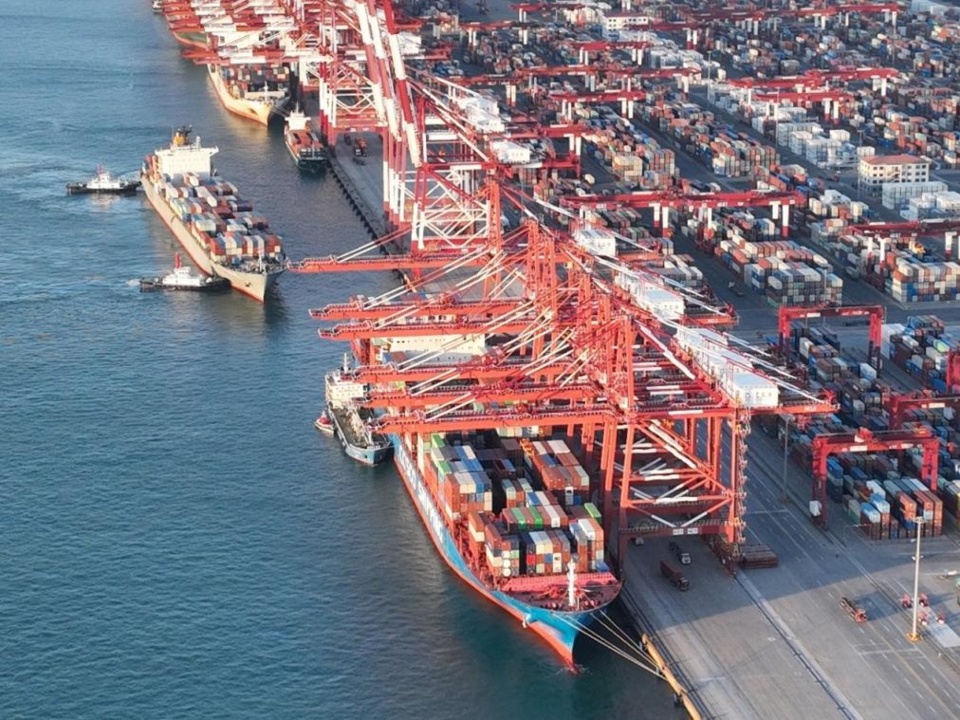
[218, 230]
[254, 101]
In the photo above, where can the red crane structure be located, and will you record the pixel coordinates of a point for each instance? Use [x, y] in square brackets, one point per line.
[526, 328]
[825, 445]
[898, 405]
[913, 228]
[625, 79]
[577, 353]
[876, 314]
[817, 80]
[663, 201]
[698, 23]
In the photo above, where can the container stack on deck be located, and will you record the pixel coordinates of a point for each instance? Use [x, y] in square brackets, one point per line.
[522, 500]
[211, 206]
[257, 78]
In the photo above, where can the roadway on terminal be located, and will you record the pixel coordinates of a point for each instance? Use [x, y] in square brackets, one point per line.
[775, 642]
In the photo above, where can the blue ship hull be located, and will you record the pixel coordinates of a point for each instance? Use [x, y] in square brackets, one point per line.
[364, 454]
[558, 628]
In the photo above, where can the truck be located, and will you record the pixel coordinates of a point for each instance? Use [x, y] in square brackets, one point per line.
[853, 610]
[674, 576]
[682, 556]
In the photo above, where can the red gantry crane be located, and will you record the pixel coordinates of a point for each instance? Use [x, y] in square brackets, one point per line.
[663, 201]
[530, 330]
[825, 445]
[876, 314]
[899, 405]
[617, 381]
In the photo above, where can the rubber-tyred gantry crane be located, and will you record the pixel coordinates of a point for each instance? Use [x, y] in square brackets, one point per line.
[663, 201]
[910, 228]
[825, 445]
[876, 314]
[899, 404]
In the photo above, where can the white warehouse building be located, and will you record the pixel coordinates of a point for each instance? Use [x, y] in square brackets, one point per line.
[878, 170]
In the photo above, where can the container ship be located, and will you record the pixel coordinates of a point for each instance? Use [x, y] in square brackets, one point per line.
[194, 24]
[350, 422]
[256, 92]
[512, 517]
[218, 230]
[508, 516]
[304, 145]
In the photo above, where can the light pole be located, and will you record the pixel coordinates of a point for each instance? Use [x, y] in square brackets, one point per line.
[786, 445]
[859, 150]
[914, 636]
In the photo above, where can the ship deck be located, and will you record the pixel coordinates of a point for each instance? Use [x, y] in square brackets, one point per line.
[345, 421]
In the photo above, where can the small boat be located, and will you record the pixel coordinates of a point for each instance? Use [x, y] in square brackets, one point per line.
[352, 423]
[103, 183]
[304, 145]
[182, 279]
[157, 6]
[324, 424]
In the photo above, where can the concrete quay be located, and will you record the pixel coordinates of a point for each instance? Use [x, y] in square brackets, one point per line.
[362, 181]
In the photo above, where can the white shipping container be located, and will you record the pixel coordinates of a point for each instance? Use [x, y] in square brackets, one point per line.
[596, 241]
[558, 447]
[750, 390]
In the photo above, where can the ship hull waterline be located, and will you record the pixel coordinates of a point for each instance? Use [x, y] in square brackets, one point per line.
[364, 456]
[253, 285]
[191, 38]
[259, 112]
[558, 629]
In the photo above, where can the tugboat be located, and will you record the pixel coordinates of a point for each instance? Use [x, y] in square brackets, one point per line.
[351, 423]
[182, 279]
[103, 183]
[303, 144]
[324, 424]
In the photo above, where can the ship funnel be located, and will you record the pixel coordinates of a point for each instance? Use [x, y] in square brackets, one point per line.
[181, 135]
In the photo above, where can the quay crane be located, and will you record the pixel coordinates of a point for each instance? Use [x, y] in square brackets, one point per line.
[639, 391]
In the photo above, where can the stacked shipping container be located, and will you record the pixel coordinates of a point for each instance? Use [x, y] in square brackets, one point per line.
[506, 496]
[224, 222]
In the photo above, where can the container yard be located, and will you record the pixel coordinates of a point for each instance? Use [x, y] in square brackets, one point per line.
[626, 357]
